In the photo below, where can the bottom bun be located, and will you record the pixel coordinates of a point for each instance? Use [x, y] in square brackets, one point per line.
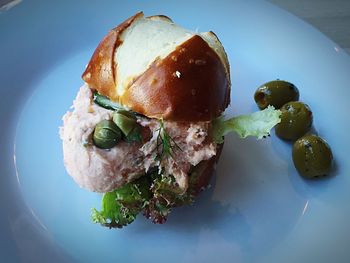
[203, 172]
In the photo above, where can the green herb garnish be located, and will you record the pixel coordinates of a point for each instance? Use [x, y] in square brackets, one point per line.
[165, 143]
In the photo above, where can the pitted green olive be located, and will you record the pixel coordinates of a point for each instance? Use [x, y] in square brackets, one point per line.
[106, 134]
[296, 120]
[124, 122]
[275, 93]
[312, 156]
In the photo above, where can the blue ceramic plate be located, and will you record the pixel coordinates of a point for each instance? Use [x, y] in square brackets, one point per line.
[258, 208]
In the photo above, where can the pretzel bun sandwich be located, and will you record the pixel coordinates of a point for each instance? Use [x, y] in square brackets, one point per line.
[147, 126]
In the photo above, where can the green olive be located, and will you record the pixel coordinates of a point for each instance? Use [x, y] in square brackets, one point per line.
[312, 156]
[125, 122]
[275, 93]
[106, 134]
[296, 120]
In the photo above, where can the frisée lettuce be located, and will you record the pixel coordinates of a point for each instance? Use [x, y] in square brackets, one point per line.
[256, 124]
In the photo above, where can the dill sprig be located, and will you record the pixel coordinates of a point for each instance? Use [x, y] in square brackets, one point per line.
[165, 143]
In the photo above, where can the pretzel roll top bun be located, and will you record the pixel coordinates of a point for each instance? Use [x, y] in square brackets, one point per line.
[161, 70]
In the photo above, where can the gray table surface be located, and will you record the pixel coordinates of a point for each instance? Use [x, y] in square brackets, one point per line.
[331, 17]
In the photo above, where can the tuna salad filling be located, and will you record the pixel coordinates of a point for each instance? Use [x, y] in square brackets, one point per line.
[169, 148]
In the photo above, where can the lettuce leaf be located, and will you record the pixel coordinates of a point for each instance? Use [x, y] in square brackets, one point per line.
[256, 124]
[166, 195]
[121, 206]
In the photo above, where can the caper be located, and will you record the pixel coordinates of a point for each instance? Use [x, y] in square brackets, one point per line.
[296, 120]
[127, 113]
[106, 134]
[124, 121]
[134, 135]
[275, 93]
[312, 156]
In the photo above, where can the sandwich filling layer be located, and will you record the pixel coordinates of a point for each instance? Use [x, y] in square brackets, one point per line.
[102, 170]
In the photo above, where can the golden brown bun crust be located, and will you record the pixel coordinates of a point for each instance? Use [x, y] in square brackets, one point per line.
[190, 84]
[100, 72]
[206, 170]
